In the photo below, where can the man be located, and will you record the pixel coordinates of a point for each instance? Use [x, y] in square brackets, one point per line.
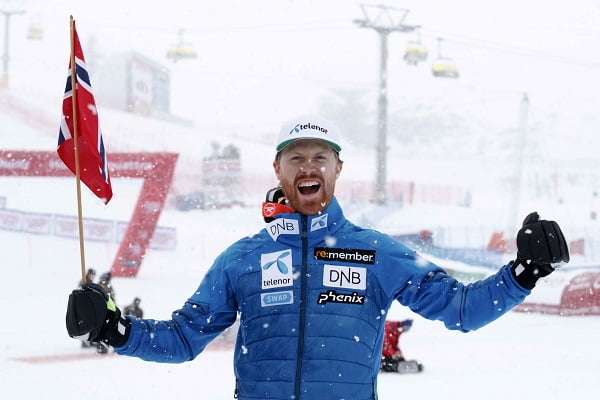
[392, 359]
[90, 275]
[106, 284]
[312, 289]
[134, 309]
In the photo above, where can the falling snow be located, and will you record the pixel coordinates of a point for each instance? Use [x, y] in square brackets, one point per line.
[275, 63]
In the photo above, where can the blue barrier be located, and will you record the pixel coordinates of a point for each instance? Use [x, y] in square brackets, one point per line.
[492, 259]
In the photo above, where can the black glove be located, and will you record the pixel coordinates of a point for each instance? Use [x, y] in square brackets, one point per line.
[93, 316]
[541, 247]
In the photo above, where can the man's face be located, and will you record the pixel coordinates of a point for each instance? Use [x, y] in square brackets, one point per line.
[307, 170]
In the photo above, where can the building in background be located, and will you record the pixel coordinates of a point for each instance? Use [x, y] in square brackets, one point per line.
[131, 82]
[221, 184]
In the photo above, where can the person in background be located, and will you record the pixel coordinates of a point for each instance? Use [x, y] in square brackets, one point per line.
[312, 289]
[391, 356]
[106, 284]
[90, 276]
[134, 309]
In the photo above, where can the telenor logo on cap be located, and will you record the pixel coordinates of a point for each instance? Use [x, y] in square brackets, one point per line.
[299, 127]
[309, 127]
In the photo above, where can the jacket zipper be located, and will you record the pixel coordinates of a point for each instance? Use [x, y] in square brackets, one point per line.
[303, 277]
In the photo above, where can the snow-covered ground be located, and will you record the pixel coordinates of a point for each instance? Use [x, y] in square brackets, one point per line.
[526, 356]
[260, 63]
[520, 356]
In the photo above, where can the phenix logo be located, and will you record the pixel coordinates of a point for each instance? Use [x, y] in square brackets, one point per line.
[300, 127]
[331, 296]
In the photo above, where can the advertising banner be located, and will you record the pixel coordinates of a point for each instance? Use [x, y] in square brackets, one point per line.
[155, 168]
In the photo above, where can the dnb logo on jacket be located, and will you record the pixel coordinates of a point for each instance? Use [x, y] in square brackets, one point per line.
[343, 277]
[283, 226]
[276, 269]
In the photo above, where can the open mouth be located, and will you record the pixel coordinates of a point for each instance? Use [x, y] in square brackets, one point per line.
[308, 187]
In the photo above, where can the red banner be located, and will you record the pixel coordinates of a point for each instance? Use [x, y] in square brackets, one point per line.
[582, 295]
[155, 168]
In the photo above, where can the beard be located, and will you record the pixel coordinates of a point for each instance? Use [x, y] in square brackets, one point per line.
[308, 205]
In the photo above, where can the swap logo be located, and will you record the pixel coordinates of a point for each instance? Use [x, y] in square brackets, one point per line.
[276, 298]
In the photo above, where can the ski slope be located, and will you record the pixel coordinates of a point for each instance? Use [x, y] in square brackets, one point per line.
[262, 62]
[520, 356]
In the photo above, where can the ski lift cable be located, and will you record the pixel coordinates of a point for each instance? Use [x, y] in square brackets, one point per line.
[263, 28]
[343, 24]
[510, 49]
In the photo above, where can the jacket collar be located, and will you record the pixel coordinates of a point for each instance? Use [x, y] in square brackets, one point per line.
[286, 228]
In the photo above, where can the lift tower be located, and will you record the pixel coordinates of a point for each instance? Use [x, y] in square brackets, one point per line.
[383, 20]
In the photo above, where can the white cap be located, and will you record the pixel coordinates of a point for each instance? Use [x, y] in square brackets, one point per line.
[309, 127]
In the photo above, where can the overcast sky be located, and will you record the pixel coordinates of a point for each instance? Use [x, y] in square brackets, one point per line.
[261, 61]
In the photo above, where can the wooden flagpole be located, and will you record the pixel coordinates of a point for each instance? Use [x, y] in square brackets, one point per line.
[76, 149]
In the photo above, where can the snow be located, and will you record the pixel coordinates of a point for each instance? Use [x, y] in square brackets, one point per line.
[518, 356]
[254, 73]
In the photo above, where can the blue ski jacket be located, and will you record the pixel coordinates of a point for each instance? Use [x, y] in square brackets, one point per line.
[312, 293]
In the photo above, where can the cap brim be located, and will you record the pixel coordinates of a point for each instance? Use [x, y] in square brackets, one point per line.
[282, 145]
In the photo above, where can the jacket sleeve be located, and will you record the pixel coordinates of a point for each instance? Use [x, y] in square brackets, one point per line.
[429, 291]
[207, 313]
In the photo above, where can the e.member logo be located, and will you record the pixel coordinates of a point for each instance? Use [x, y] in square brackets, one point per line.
[276, 269]
[345, 255]
[331, 296]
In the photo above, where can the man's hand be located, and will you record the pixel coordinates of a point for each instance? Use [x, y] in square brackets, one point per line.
[93, 316]
[541, 248]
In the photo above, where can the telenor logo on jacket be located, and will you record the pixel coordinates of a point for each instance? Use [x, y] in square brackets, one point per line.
[319, 223]
[353, 255]
[276, 269]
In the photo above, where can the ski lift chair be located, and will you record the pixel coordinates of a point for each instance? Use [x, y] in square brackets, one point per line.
[35, 31]
[415, 52]
[444, 68]
[181, 51]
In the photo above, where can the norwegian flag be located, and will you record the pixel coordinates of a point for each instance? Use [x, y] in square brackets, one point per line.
[93, 167]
